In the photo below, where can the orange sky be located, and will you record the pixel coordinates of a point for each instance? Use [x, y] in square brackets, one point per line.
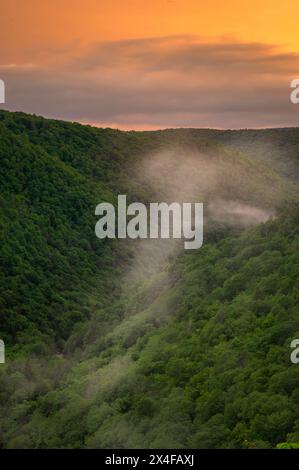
[56, 22]
[40, 32]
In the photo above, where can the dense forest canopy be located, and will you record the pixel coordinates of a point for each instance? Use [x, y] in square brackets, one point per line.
[127, 344]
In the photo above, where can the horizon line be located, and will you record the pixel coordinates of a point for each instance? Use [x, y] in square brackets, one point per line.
[154, 128]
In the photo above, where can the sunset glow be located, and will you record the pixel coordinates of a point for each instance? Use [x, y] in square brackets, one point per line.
[138, 64]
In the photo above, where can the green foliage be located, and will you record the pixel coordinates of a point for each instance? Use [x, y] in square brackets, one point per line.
[287, 445]
[49, 254]
[194, 355]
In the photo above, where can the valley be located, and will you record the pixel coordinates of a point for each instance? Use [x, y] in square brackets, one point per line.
[139, 343]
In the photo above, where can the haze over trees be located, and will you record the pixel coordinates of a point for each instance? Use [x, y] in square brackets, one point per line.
[127, 344]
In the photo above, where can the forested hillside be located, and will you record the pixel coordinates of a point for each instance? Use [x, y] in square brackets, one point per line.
[135, 344]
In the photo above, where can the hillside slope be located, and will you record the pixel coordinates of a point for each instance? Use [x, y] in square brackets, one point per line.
[116, 344]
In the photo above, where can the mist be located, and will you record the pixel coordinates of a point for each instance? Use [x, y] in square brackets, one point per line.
[235, 213]
[228, 188]
[183, 174]
[99, 359]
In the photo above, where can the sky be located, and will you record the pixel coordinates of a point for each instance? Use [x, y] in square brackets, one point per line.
[140, 64]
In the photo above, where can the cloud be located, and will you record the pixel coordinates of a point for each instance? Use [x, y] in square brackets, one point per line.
[161, 82]
[192, 53]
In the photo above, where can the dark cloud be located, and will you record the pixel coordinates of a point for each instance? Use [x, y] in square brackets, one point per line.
[183, 52]
[172, 81]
